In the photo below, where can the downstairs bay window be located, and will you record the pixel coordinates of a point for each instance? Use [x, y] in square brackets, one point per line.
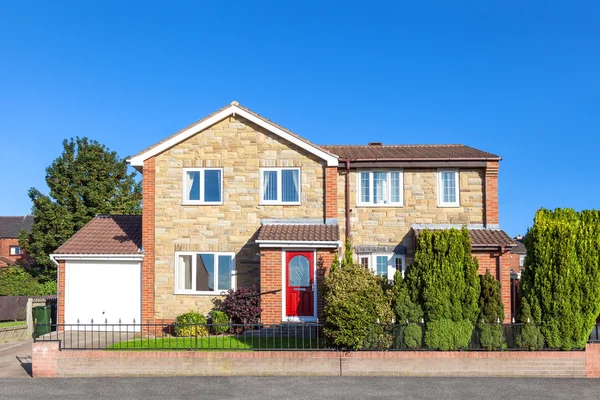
[383, 264]
[204, 273]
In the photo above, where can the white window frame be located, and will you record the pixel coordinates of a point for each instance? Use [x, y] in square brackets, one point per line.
[279, 200]
[14, 250]
[521, 260]
[392, 257]
[185, 190]
[194, 255]
[440, 187]
[370, 203]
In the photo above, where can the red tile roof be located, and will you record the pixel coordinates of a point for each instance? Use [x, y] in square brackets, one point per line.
[299, 233]
[486, 238]
[106, 234]
[412, 152]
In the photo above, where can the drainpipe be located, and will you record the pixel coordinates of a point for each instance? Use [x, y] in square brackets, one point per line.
[347, 198]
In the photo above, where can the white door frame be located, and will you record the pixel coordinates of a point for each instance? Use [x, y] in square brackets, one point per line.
[285, 317]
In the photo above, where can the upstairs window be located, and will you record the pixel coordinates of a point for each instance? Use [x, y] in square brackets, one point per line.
[382, 264]
[448, 188]
[280, 186]
[204, 273]
[521, 260]
[14, 250]
[380, 188]
[202, 186]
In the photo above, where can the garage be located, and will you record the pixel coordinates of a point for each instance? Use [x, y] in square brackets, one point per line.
[100, 274]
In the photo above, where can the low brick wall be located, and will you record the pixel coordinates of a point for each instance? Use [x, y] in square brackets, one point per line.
[11, 333]
[50, 361]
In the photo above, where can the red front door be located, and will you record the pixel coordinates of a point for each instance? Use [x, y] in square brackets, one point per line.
[299, 294]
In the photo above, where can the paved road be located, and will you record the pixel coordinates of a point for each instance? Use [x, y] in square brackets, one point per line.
[15, 359]
[299, 387]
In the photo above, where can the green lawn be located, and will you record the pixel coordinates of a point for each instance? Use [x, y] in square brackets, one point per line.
[8, 324]
[228, 342]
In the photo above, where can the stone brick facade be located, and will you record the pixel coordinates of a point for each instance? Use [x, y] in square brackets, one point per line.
[241, 148]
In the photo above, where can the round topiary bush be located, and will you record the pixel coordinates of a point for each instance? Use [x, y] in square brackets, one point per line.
[191, 324]
[219, 322]
[413, 335]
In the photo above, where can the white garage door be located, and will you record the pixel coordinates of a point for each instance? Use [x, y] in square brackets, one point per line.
[103, 291]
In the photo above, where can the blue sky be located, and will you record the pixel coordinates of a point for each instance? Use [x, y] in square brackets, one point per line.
[518, 79]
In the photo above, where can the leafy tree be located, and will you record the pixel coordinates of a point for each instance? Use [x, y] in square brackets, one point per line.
[561, 279]
[491, 315]
[85, 180]
[443, 280]
[355, 306]
[16, 281]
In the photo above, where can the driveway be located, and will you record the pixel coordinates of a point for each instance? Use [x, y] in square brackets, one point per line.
[279, 388]
[15, 359]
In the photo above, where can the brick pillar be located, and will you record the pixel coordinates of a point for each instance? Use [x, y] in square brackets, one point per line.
[270, 281]
[491, 194]
[331, 195]
[43, 359]
[148, 210]
[504, 263]
[324, 261]
[592, 360]
[61, 294]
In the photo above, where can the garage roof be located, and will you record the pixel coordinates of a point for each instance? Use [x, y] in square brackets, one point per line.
[106, 234]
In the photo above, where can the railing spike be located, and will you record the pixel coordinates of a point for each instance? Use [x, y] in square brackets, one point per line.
[513, 320]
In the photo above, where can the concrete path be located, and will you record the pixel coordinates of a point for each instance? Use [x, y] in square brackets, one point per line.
[279, 388]
[15, 359]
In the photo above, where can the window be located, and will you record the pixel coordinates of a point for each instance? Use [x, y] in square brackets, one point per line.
[14, 250]
[448, 188]
[521, 260]
[204, 273]
[380, 188]
[202, 186]
[280, 186]
[383, 264]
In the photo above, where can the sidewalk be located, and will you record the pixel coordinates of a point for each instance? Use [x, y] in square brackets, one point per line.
[15, 359]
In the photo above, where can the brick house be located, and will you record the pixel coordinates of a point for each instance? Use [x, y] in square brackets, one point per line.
[236, 200]
[10, 250]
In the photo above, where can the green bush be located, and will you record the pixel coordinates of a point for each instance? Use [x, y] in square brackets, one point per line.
[191, 324]
[377, 338]
[405, 310]
[447, 335]
[413, 335]
[221, 319]
[491, 335]
[17, 281]
[354, 301]
[561, 278]
[530, 336]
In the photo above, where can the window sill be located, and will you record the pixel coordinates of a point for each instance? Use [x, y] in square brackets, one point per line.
[205, 293]
[198, 203]
[448, 205]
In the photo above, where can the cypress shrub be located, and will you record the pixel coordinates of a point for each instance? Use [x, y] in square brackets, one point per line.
[412, 335]
[561, 279]
[443, 280]
[406, 312]
[491, 313]
[355, 303]
[530, 336]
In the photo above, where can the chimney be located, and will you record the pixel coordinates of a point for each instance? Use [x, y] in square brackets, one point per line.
[375, 144]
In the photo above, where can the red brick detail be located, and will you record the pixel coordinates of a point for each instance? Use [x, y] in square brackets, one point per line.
[44, 359]
[60, 312]
[148, 210]
[592, 360]
[491, 193]
[270, 285]
[331, 195]
[499, 266]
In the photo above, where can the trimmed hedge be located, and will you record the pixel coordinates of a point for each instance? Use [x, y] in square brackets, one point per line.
[447, 335]
[221, 319]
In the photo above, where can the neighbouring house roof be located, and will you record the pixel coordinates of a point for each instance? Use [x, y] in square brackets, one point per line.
[519, 248]
[410, 152]
[232, 109]
[11, 226]
[298, 233]
[485, 238]
[106, 234]
[5, 261]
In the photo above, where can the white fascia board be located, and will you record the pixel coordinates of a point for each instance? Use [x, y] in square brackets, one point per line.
[98, 257]
[306, 244]
[138, 161]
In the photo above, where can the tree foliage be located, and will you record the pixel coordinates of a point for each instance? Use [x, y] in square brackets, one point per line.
[16, 281]
[87, 179]
[491, 313]
[561, 279]
[405, 309]
[355, 303]
[443, 280]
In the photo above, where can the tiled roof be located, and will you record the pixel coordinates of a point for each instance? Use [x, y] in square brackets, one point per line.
[410, 152]
[299, 233]
[106, 234]
[11, 226]
[519, 248]
[5, 261]
[486, 238]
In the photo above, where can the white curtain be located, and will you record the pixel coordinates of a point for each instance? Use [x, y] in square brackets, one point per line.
[265, 184]
[184, 272]
[295, 177]
[190, 183]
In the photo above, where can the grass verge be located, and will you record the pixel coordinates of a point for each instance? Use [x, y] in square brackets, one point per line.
[8, 324]
[219, 343]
